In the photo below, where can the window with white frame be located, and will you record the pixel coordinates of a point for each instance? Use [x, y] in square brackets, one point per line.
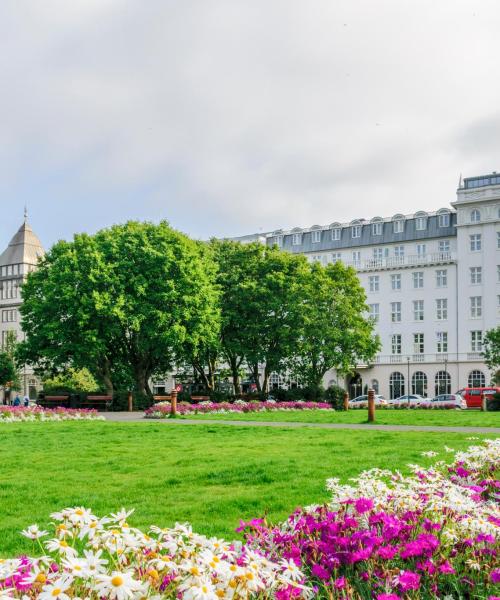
[9, 316]
[398, 226]
[8, 289]
[441, 278]
[418, 279]
[396, 281]
[396, 385]
[476, 379]
[442, 309]
[420, 223]
[316, 258]
[378, 253]
[418, 343]
[374, 311]
[374, 283]
[476, 341]
[475, 242]
[396, 312]
[396, 343]
[278, 240]
[476, 275]
[442, 341]
[316, 236]
[336, 257]
[444, 219]
[377, 228]
[418, 310]
[336, 234]
[475, 216]
[419, 384]
[356, 258]
[296, 239]
[356, 231]
[421, 250]
[444, 246]
[476, 307]
[399, 252]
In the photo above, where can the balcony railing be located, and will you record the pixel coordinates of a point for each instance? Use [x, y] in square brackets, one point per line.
[399, 262]
[439, 357]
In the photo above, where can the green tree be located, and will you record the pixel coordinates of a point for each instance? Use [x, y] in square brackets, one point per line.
[491, 352]
[335, 331]
[8, 371]
[80, 380]
[120, 303]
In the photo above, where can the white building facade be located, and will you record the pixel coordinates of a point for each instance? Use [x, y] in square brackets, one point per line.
[432, 282]
[20, 258]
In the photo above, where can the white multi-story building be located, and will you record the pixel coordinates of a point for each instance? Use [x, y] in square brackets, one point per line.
[432, 282]
[20, 257]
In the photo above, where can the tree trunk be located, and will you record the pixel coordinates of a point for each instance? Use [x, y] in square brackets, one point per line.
[256, 377]
[104, 373]
[235, 372]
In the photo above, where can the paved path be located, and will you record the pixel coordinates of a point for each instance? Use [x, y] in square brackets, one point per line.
[137, 417]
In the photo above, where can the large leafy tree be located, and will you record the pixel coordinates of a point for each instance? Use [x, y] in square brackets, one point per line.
[120, 303]
[336, 334]
[491, 351]
[8, 371]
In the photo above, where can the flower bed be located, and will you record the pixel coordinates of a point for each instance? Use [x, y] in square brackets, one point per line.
[162, 409]
[16, 414]
[434, 534]
[406, 406]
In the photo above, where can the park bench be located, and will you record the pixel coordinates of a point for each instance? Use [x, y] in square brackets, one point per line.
[162, 398]
[200, 398]
[98, 402]
[54, 401]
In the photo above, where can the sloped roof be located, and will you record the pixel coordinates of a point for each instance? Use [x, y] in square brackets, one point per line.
[24, 247]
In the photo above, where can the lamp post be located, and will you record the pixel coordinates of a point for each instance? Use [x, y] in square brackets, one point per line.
[408, 391]
[446, 375]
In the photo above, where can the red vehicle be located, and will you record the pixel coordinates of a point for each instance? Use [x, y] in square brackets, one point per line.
[474, 396]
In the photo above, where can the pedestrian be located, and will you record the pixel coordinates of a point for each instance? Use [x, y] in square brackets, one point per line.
[26, 400]
[17, 400]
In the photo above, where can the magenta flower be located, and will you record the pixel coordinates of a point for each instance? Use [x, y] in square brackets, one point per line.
[495, 576]
[408, 580]
[363, 505]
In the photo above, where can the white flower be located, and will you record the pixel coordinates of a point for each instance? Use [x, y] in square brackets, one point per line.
[429, 454]
[60, 546]
[119, 585]
[33, 532]
[56, 589]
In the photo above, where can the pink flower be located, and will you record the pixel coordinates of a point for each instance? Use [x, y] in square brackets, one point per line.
[495, 576]
[408, 580]
[363, 505]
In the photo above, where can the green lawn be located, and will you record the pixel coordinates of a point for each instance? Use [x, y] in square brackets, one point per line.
[469, 418]
[210, 475]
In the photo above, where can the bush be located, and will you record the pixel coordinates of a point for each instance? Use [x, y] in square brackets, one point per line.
[335, 396]
[140, 401]
[218, 396]
[493, 403]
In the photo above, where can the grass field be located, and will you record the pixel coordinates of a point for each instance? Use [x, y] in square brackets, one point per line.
[469, 418]
[209, 475]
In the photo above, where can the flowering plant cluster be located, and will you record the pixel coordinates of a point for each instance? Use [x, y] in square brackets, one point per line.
[434, 534]
[88, 557]
[15, 414]
[425, 405]
[162, 409]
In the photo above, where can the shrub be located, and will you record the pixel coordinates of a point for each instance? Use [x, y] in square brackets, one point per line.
[493, 404]
[335, 395]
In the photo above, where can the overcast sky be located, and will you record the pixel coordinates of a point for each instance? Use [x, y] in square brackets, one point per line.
[231, 116]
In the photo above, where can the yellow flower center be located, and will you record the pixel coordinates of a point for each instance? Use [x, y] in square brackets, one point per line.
[233, 583]
[63, 544]
[195, 571]
[117, 581]
[93, 525]
[233, 568]
[204, 589]
[40, 578]
[249, 576]
[79, 512]
[153, 573]
[56, 592]
[220, 593]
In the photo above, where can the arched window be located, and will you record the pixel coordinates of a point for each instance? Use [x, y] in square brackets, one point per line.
[374, 385]
[475, 216]
[275, 381]
[442, 383]
[419, 383]
[396, 385]
[398, 223]
[477, 379]
[443, 217]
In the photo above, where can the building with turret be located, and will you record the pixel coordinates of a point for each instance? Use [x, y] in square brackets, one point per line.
[20, 258]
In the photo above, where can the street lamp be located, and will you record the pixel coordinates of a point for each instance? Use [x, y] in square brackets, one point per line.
[408, 391]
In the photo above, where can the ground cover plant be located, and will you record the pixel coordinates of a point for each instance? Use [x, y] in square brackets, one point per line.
[460, 418]
[209, 475]
[16, 414]
[383, 535]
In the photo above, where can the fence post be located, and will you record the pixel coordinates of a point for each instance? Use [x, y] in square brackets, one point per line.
[371, 406]
[484, 403]
[173, 404]
[346, 401]
[130, 402]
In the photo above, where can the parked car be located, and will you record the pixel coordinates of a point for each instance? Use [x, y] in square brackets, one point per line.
[362, 401]
[455, 400]
[474, 396]
[408, 399]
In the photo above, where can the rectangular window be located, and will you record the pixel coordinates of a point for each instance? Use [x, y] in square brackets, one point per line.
[316, 236]
[442, 309]
[5, 337]
[356, 258]
[8, 289]
[396, 312]
[421, 250]
[444, 220]
[418, 310]
[498, 239]
[444, 246]
[418, 343]
[398, 226]
[476, 275]
[476, 307]
[336, 257]
[336, 234]
[378, 253]
[476, 341]
[442, 341]
[278, 240]
[9, 316]
[396, 282]
[441, 278]
[374, 311]
[296, 239]
[418, 279]
[420, 223]
[356, 231]
[374, 283]
[475, 242]
[396, 343]
[376, 228]
[399, 251]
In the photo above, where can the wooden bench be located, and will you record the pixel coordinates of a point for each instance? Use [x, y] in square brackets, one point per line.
[54, 401]
[162, 398]
[98, 402]
[200, 398]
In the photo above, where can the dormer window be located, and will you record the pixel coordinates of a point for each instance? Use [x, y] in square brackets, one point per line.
[377, 228]
[278, 240]
[444, 219]
[398, 226]
[316, 236]
[420, 221]
[336, 234]
[475, 216]
[356, 231]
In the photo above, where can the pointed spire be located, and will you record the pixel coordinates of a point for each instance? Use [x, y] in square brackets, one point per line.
[25, 213]
[460, 182]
